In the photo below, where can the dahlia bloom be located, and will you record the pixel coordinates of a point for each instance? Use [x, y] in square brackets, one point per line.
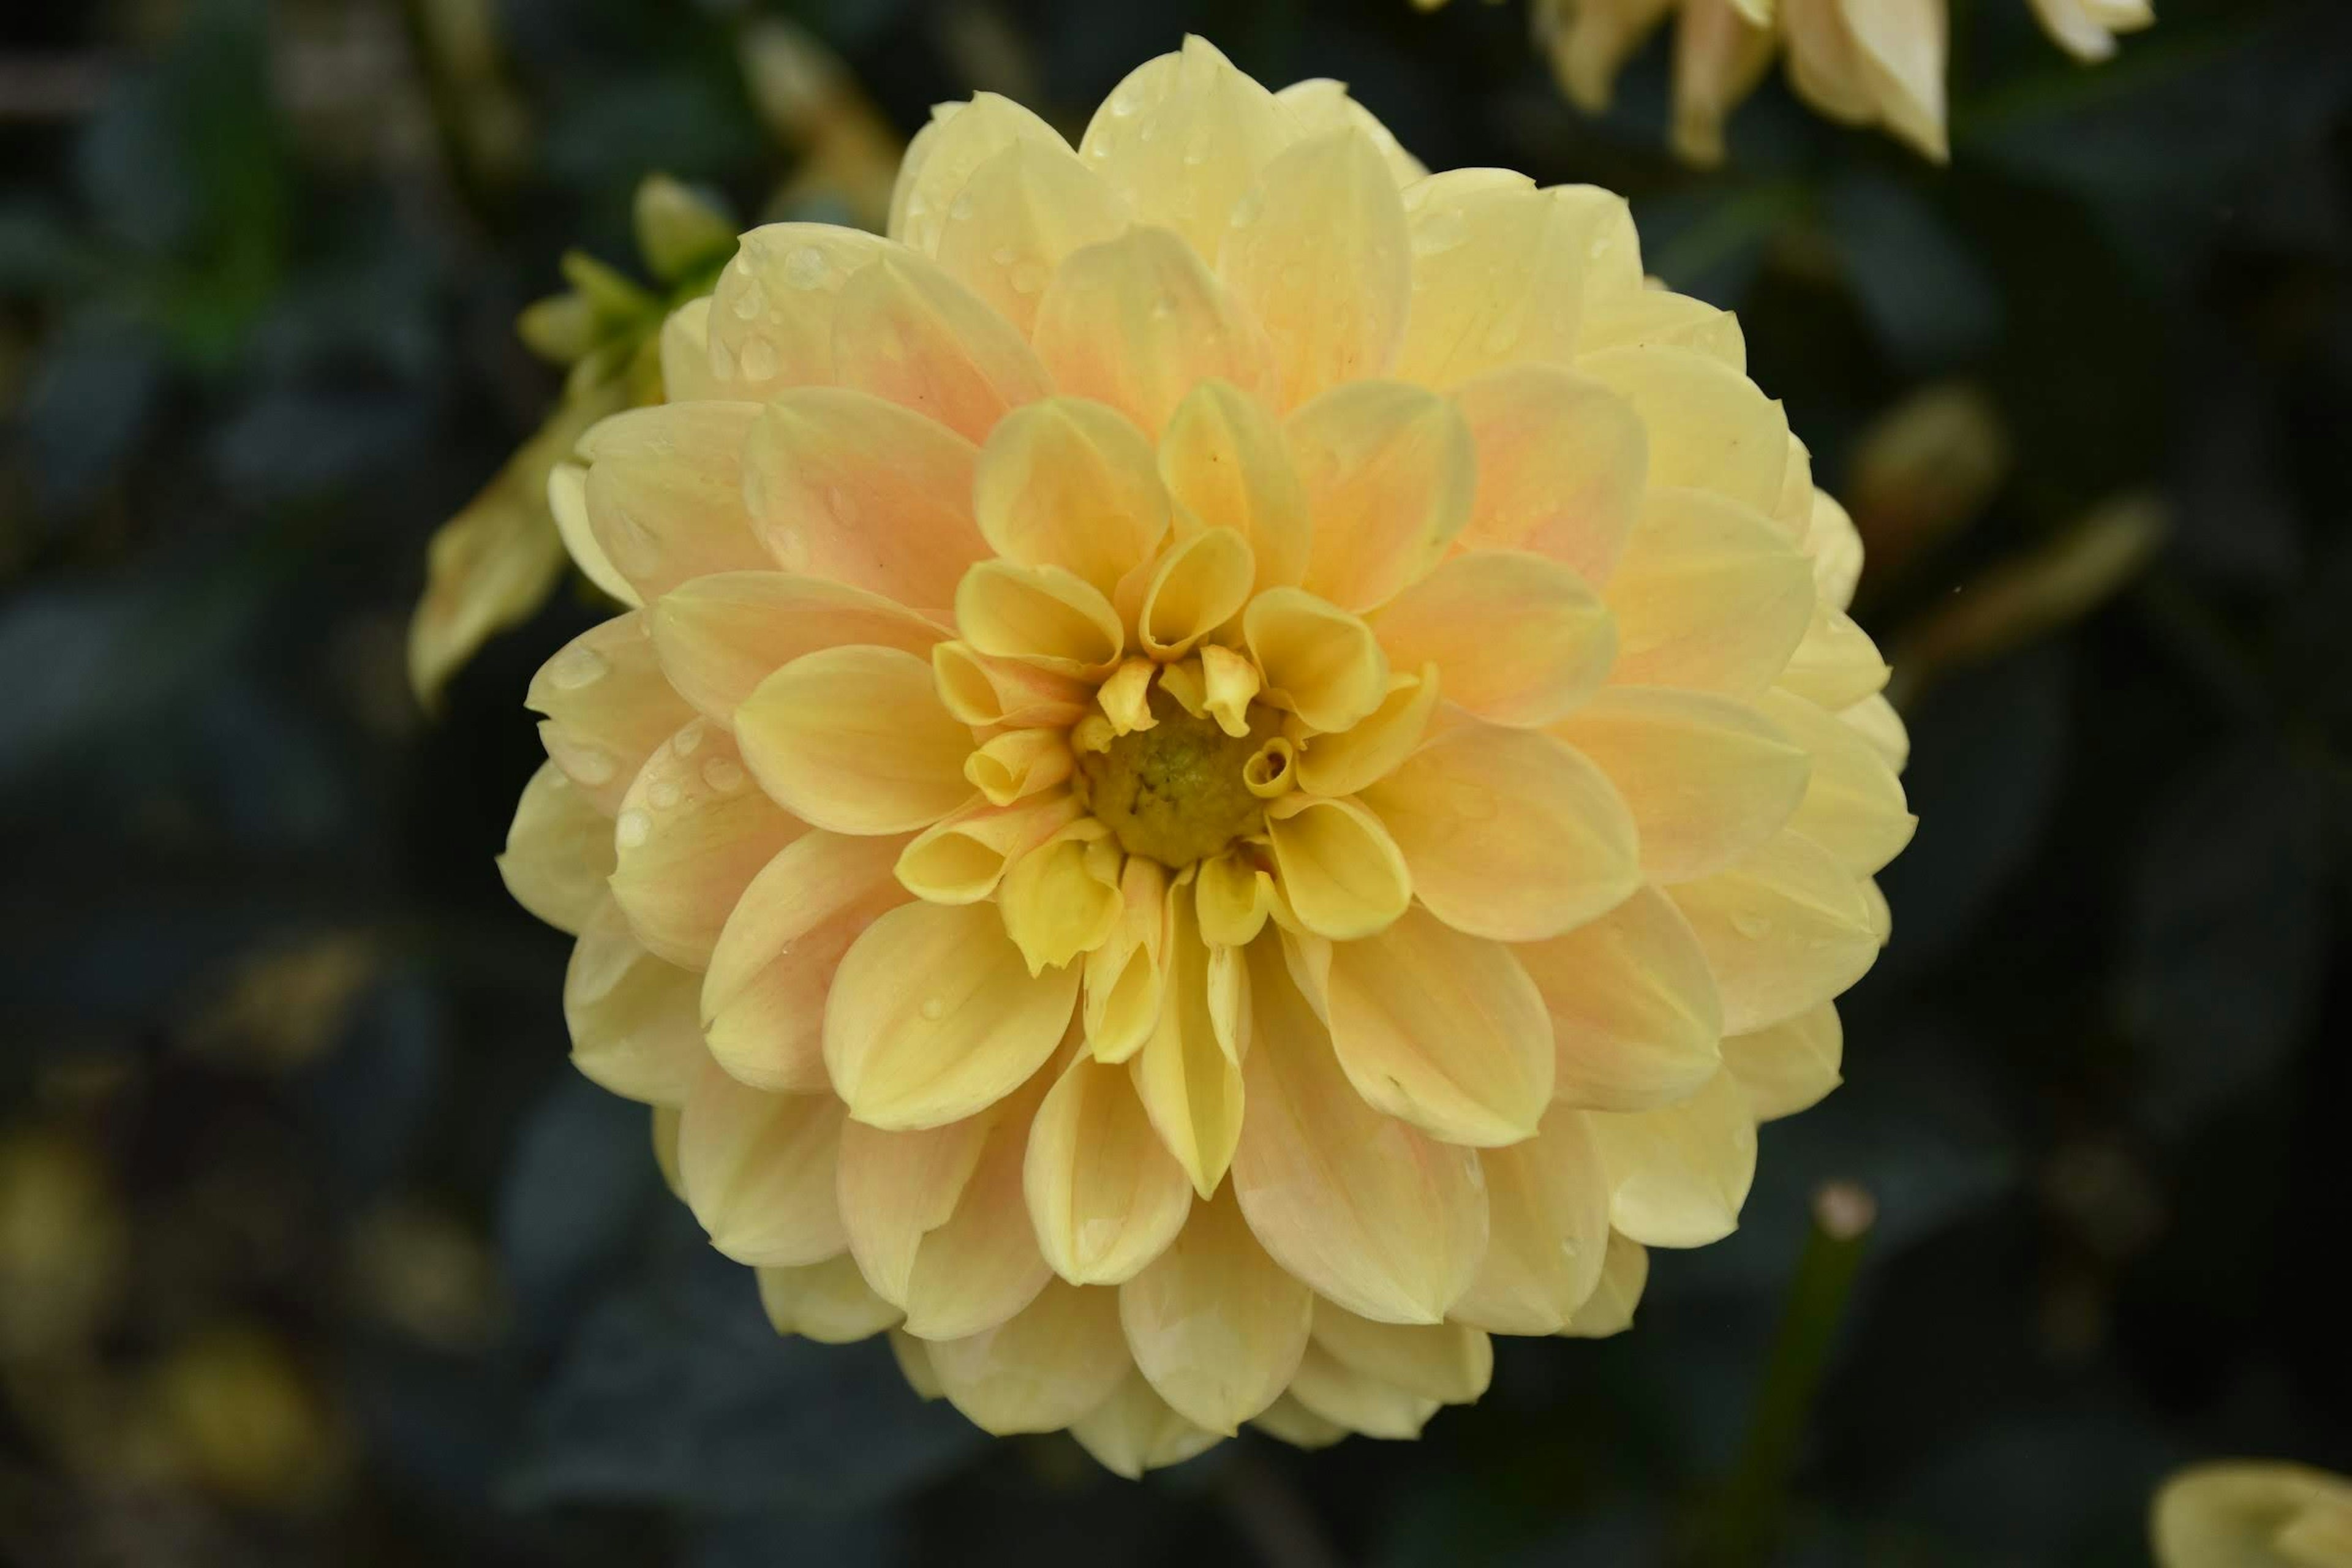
[1863, 62]
[1236, 766]
[2253, 1514]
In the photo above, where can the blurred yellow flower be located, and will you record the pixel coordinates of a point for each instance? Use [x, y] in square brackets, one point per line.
[1233, 767]
[1863, 62]
[2253, 1514]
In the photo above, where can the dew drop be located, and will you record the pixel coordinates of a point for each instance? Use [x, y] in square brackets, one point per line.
[687, 740]
[663, 794]
[576, 666]
[723, 775]
[1443, 231]
[961, 212]
[1752, 926]
[751, 302]
[591, 765]
[806, 267]
[1122, 105]
[934, 1008]
[633, 829]
[758, 360]
[842, 505]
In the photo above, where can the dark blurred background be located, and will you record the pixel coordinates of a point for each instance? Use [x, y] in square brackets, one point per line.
[314, 1251]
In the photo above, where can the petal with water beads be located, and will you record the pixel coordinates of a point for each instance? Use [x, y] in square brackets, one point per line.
[691, 834]
[558, 851]
[665, 492]
[1182, 137]
[718, 637]
[631, 1016]
[607, 707]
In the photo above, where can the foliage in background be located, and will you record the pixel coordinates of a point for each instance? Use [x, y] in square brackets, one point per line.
[311, 1249]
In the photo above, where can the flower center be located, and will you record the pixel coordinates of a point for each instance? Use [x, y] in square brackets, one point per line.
[1176, 792]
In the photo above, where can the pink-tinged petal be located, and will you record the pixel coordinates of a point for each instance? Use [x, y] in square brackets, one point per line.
[855, 740]
[631, 1016]
[763, 995]
[1634, 1015]
[905, 332]
[843, 485]
[1679, 1175]
[1784, 930]
[1389, 473]
[1517, 639]
[558, 851]
[665, 492]
[691, 834]
[773, 311]
[1182, 137]
[759, 1171]
[718, 637]
[1021, 214]
[1561, 461]
[607, 707]
[1215, 1325]
[1364, 1208]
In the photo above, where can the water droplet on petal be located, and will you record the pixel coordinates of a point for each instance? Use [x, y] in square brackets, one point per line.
[758, 360]
[723, 775]
[662, 794]
[751, 302]
[934, 1008]
[576, 666]
[806, 267]
[685, 740]
[633, 829]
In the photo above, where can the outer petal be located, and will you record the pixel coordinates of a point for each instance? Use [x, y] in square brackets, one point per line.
[1318, 104]
[1390, 472]
[1446, 1361]
[906, 331]
[1223, 461]
[691, 834]
[718, 637]
[1356, 1401]
[844, 485]
[1069, 483]
[953, 150]
[1296, 1425]
[1548, 1202]
[855, 740]
[1624, 1270]
[1498, 274]
[1678, 1174]
[1561, 461]
[1708, 594]
[1510, 833]
[1707, 778]
[607, 708]
[1368, 1211]
[1215, 1325]
[829, 1302]
[1853, 806]
[1836, 665]
[567, 502]
[1660, 318]
[759, 1171]
[1186, 1075]
[1041, 1369]
[1021, 214]
[763, 995]
[1789, 1067]
[1106, 1196]
[1635, 1019]
[1317, 250]
[1140, 320]
[1182, 137]
[933, 1016]
[772, 311]
[1517, 639]
[1786, 929]
[665, 492]
[1834, 546]
[558, 851]
[1442, 1030]
[631, 1014]
[685, 351]
[1135, 1430]
[1709, 428]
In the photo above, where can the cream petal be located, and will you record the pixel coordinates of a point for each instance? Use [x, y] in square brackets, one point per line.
[1660, 318]
[1636, 1018]
[829, 1302]
[685, 351]
[1823, 68]
[1876, 721]
[1182, 137]
[1317, 250]
[1389, 473]
[665, 1120]
[1042, 616]
[1709, 428]
[665, 492]
[961, 859]
[558, 851]
[1834, 546]
[1186, 1075]
[986, 693]
[1789, 1067]
[1198, 587]
[759, 1171]
[1707, 778]
[1062, 900]
[1105, 1194]
[1135, 1430]
[855, 740]
[843, 485]
[1214, 1323]
[1561, 460]
[1498, 277]
[1372, 747]
[1678, 1174]
[1296, 1425]
[567, 502]
[1021, 214]
[691, 834]
[1708, 594]
[1318, 104]
[1786, 929]
[1364, 1208]
[1318, 660]
[936, 1221]
[1138, 321]
[607, 708]
[1069, 483]
[953, 150]
[914, 1359]
[1900, 45]
[1836, 665]
[1509, 834]
[1341, 874]
[631, 1016]
[1224, 461]
[932, 1017]
[718, 637]
[1329, 1388]
[1041, 1369]
[1548, 1206]
[763, 995]
[1450, 1363]
[1854, 806]
[1124, 976]
[1624, 1270]
[1516, 640]
[1719, 57]
[1589, 43]
[1442, 1030]
[774, 307]
[1019, 763]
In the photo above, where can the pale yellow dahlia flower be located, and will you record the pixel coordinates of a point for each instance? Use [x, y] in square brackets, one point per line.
[2253, 1514]
[1238, 766]
[1863, 62]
